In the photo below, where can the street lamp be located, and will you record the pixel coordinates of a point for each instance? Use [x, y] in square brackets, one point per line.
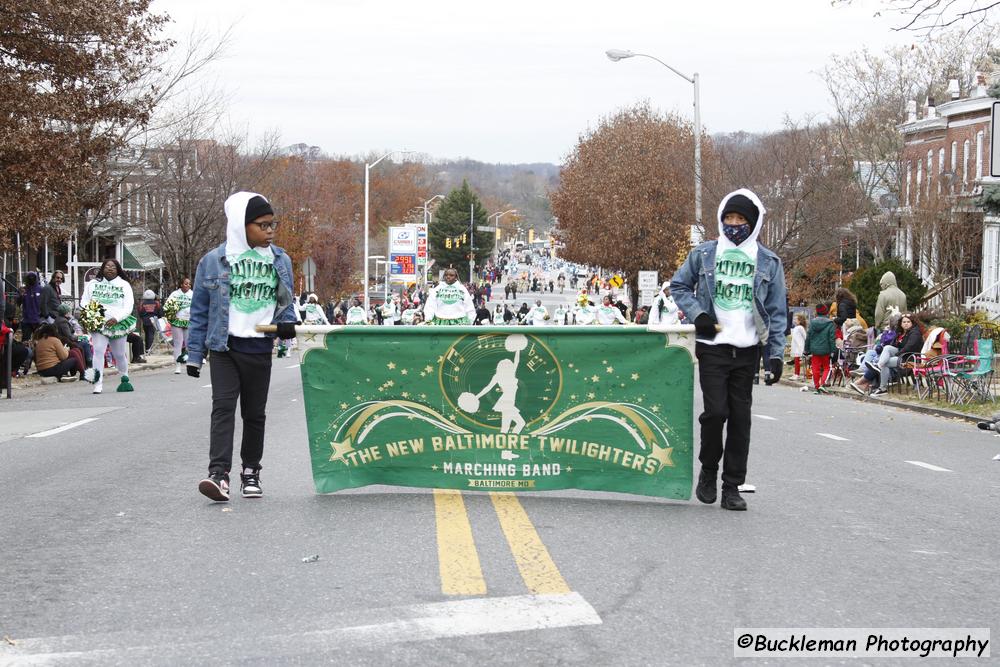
[496, 236]
[426, 212]
[368, 168]
[620, 54]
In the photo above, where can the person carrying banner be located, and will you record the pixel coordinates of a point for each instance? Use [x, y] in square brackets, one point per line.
[243, 283]
[449, 303]
[739, 284]
[177, 308]
[113, 294]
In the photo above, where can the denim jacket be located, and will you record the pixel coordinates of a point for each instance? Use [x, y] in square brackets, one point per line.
[209, 328]
[693, 287]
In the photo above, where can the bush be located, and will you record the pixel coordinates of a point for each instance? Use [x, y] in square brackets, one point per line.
[865, 285]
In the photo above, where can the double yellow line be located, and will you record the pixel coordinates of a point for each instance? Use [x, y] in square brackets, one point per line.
[461, 573]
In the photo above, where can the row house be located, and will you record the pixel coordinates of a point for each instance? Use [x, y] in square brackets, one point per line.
[142, 188]
[943, 232]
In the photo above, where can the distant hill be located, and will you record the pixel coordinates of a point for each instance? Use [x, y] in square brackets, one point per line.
[522, 186]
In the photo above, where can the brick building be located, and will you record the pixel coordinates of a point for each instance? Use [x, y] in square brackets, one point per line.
[945, 165]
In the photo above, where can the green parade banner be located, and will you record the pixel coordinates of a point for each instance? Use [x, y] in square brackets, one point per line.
[500, 408]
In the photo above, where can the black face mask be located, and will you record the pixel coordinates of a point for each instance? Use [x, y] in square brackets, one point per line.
[737, 234]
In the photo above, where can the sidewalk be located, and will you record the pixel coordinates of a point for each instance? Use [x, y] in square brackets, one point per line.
[897, 400]
[32, 382]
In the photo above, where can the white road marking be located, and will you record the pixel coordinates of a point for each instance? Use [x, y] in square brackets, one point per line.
[205, 386]
[295, 366]
[833, 437]
[770, 419]
[929, 466]
[66, 427]
[357, 629]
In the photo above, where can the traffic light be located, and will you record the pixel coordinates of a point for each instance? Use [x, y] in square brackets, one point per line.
[447, 243]
[463, 238]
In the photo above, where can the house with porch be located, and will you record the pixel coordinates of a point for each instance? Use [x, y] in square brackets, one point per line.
[943, 231]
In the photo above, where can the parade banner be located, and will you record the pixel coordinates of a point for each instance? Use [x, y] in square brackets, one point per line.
[501, 408]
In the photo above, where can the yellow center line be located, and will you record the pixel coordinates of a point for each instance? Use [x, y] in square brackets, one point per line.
[537, 569]
[458, 559]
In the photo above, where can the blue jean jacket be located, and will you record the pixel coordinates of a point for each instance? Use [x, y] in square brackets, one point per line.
[694, 285]
[209, 328]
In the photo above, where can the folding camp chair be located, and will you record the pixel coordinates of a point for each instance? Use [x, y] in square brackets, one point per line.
[163, 340]
[976, 382]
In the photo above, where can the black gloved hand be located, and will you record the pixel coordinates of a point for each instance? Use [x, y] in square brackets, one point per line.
[704, 326]
[194, 371]
[774, 366]
[286, 330]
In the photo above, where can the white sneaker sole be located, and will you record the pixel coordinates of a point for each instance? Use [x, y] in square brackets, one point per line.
[212, 490]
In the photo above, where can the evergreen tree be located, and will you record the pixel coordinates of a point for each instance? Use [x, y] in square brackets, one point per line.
[452, 221]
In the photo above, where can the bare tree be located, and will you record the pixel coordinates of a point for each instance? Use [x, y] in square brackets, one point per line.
[929, 16]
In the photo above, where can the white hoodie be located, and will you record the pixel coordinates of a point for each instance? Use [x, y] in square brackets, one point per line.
[735, 268]
[253, 280]
[449, 302]
[119, 304]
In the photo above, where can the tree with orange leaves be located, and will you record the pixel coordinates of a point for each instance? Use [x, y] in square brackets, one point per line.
[625, 199]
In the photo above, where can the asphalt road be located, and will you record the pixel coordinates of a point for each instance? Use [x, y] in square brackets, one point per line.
[110, 556]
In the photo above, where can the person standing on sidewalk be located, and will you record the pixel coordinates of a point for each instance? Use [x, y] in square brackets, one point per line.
[739, 284]
[821, 341]
[243, 283]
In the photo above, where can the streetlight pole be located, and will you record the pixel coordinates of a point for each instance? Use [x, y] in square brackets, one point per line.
[426, 212]
[368, 168]
[496, 234]
[619, 54]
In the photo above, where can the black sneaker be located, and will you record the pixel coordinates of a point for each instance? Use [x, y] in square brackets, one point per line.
[250, 483]
[987, 426]
[880, 392]
[706, 491]
[732, 500]
[215, 486]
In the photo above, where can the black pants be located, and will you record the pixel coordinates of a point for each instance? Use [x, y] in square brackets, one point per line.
[726, 375]
[149, 329]
[236, 375]
[66, 366]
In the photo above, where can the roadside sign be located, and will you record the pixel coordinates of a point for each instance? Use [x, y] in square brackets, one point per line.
[486, 228]
[647, 280]
[308, 267]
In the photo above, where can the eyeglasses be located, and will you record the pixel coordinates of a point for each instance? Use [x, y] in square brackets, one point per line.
[267, 226]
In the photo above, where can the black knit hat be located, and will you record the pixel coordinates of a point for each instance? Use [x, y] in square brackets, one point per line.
[741, 204]
[256, 207]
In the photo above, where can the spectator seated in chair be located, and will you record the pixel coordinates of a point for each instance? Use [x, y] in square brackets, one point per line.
[907, 342]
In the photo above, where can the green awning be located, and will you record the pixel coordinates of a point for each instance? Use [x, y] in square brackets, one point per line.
[140, 257]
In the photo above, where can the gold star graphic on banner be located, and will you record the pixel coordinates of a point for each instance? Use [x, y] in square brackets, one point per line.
[591, 396]
[594, 378]
[610, 369]
[340, 449]
[434, 467]
[656, 408]
[604, 362]
[423, 396]
[572, 397]
[357, 398]
[390, 366]
[662, 456]
[405, 394]
[404, 372]
[343, 406]
[635, 376]
[428, 369]
[423, 374]
[390, 383]
[569, 468]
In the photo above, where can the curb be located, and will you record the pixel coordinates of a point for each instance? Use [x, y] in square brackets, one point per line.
[33, 382]
[903, 405]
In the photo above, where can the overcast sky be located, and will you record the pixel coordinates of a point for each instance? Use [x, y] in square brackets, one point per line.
[516, 80]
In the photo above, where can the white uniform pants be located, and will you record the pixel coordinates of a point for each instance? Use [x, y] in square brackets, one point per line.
[180, 336]
[119, 350]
